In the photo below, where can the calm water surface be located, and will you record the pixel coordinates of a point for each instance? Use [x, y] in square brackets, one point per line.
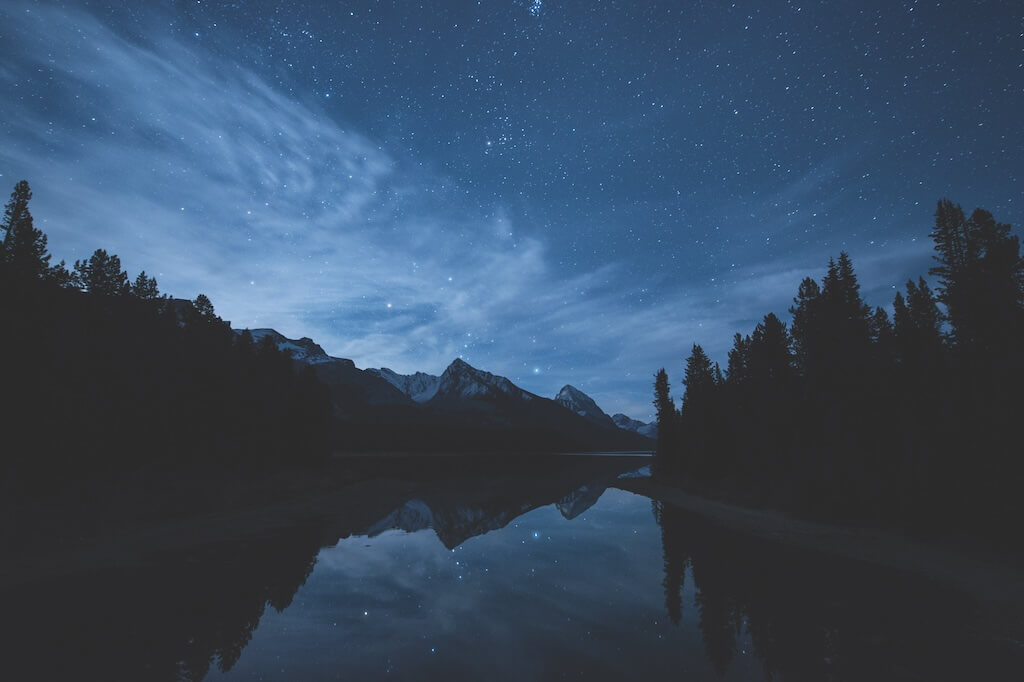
[510, 579]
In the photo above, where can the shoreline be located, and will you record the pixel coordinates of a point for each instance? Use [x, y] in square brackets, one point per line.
[997, 587]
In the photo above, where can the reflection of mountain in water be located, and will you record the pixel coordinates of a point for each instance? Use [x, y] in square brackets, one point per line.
[459, 509]
[188, 611]
[453, 524]
[581, 499]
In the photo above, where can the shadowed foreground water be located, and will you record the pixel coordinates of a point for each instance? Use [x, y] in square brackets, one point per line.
[505, 579]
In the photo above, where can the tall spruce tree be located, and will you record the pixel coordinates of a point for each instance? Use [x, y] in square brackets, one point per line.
[981, 283]
[698, 415]
[806, 328]
[736, 370]
[770, 355]
[699, 380]
[23, 252]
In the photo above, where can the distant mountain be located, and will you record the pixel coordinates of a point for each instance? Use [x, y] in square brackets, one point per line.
[420, 386]
[303, 350]
[465, 385]
[464, 409]
[582, 404]
[635, 425]
[352, 390]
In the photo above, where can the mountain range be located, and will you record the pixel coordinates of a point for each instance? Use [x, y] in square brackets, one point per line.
[465, 408]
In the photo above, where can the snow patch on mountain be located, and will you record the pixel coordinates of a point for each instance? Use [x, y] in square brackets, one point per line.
[303, 350]
[635, 425]
[420, 386]
[462, 381]
[582, 404]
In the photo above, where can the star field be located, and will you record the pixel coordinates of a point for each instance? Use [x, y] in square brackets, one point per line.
[560, 192]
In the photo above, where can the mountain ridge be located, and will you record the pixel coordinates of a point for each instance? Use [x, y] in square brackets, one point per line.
[582, 404]
[464, 407]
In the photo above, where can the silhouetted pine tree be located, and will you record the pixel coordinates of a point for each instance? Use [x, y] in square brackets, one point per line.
[981, 283]
[101, 275]
[698, 417]
[736, 369]
[23, 252]
[204, 307]
[667, 417]
[806, 328]
[144, 287]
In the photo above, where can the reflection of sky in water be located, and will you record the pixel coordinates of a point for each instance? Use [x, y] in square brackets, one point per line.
[543, 597]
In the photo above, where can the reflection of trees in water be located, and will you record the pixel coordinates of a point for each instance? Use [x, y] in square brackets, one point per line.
[235, 593]
[170, 623]
[675, 558]
[815, 618]
[739, 587]
[719, 616]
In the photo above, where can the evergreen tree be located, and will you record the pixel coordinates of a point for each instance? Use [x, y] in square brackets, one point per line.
[806, 325]
[981, 283]
[101, 275]
[59, 275]
[770, 356]
[204, 307]
[667, 416]
[663, 404]
[145, 287]
[23, 252]
[698, 416]
[917, 326]
[699, 381]
[736, 369]
[883, 339]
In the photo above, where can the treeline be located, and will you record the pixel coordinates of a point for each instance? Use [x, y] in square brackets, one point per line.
[99, 373]
[852, 414]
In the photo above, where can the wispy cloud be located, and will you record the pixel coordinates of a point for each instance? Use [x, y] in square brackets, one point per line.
[201, 172]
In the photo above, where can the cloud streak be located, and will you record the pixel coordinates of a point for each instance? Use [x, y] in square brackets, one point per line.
[198, 170]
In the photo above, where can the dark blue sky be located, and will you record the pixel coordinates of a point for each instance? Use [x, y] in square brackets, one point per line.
[560, 192]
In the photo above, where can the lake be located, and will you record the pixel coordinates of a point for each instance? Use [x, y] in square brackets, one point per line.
[526, 575]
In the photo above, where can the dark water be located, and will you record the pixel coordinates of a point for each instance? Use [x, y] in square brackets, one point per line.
[501, 578]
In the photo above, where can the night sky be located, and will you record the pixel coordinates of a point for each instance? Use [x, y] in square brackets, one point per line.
[559, 192]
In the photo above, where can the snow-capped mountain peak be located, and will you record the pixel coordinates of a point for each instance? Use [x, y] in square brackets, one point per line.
[582, 404]
[635, 425]
[420, 386]
[461, 380]
[302, 350]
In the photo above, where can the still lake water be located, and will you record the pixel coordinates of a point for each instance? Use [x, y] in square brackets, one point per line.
[512, 578]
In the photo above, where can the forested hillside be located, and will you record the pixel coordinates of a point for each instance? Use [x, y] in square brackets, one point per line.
[103, 374]
[852, 413]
